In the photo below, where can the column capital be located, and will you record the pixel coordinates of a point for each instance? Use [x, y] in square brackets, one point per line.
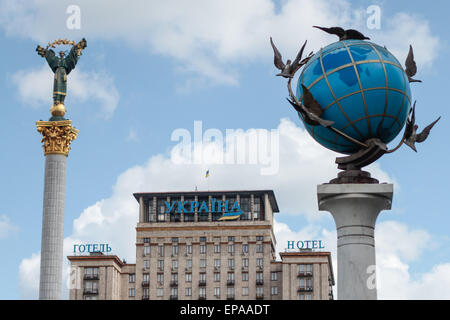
[56, 136]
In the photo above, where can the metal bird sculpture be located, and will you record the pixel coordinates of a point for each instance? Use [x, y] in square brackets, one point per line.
[349, 34]
[411, 136]
[288, 70]
[310, 109]
[411, 67]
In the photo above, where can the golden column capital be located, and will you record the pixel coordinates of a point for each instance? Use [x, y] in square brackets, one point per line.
[57, 136]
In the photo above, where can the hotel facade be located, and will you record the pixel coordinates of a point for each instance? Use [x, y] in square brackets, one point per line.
[205, 245]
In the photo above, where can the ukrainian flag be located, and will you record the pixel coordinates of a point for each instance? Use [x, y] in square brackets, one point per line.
[207, 173]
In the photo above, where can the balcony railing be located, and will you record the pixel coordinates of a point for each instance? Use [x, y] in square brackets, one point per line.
[202, 283]
[230, 282]
[230, 296]
[304, 274]
[145, 283]
[90, 277]
[259, 282]
[174, 283]
[145, 297]
[90, 291]
[202, 297]
[305, 289]
[173, 297]
[259, 296]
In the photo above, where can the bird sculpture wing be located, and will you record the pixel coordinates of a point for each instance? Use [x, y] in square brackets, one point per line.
[311, 103]
[333, 30]
[277, 59]
[411, 67]
[409, 128]
[421, 137]
[296, 63]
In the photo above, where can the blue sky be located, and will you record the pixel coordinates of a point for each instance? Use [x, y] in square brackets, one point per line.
[151, 68]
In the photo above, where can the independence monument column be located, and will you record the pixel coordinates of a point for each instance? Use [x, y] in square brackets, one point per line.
[57, 135]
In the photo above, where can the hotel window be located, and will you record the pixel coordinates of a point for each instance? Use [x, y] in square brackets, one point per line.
[131, 278]
[145, 277]
[175, 249]
[259, 262]
[174, 264]
[146, 250]
[258, 209]
[161, 210]
[202, 277]
[161, 265]
[174, 292]
[259, 238]
[174, 277]
[259, 291]
[174, 212]
[150, 217]
[188, 292]
[302, 283]
[91, 273]
[259, 276]
[305, 268]
[230, 276]
[202, 292]
[160, 278]
[245, 248]
[146, 264]
[146, 240]
[91, 286]
[202, 248]
[159, 292]
[259, 248]
[274, 291]
[189, 248]
[245, 208]
[274, 276]
[202, 213]
[188, 216]
[216, 277]
[145, 292]
[230, 291]
[189, 263]
[216, 263]
[202, 263]
[131, 292]
[161, 250]
[244, 276]
[308, 296]
[202, 239]
[217, 248]
[217, 292]
[231, 248]
[245, 262]
[231, 239]
[231, 264]
[188, 277]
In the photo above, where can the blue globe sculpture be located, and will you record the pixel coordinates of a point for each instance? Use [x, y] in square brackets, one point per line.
[360, 86]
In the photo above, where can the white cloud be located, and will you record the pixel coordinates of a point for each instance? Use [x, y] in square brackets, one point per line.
[6, 227]
[29, 270]
[213, 39]
[35, 88]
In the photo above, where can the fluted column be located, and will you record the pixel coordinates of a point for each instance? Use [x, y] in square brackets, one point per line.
[57, 136]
